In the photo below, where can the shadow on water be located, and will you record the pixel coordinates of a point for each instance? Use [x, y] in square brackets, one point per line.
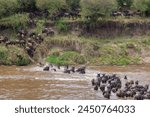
[32, 83]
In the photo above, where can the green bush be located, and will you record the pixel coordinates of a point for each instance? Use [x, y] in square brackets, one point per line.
[22, 60]
[13, 56]
[74, 57]
[57, 61]
[147, 11]
[16, 21]
[52, 6]
[18, 56]
[8, 7]
[67, 57]
[39, 26]
[3, 55]
[140, 5]
[119, 60]
[27, 5]
[125, 4]
[62, 26]
[73, 4]
[143, 5]
[97, 8]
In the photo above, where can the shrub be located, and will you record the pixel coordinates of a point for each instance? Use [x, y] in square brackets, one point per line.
[52, 6]
[97, 8]
[39, 26]
[73, 57]
[8, 7]
[147, 11]
[143, 5]
[18, 56]
[140, 5]
[67, 57]
[125, 4]
[26, 5]
[56, 60]
[3, 55]
[62, 26]
[22, 60]
[73, 4]
[16, 21]
[13, 56]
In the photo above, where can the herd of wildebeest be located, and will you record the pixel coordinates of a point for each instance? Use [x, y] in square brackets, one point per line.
[63, 13]
[109, 84]
[106, 83]
[127, 89]
[29, 40]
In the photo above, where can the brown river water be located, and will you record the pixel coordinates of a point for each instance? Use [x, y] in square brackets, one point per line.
[31, 83]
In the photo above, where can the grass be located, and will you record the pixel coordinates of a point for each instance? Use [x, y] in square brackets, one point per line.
[126, 20]
[66, 57]
[74, 49]
[81, 50]
[57, 61]
[119, 60]
[62, 26]
[69, 49]
[14, 22]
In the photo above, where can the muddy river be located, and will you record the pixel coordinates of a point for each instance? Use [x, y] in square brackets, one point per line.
[31, 83]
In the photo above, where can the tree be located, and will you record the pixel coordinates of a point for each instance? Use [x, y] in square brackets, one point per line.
[8, 7]
[147, 11]
[125, 4]
[27, 5]
[93, 9]
[73, 4]
[52, 6]
[142, 5]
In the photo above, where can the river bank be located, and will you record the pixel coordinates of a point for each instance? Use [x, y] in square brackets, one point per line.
[75, 42]
[74, 50]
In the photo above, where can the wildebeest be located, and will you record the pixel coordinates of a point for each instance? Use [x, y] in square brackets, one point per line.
[48, 31]
[81, 70]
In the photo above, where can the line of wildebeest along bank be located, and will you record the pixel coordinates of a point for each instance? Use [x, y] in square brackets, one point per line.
[108, 84]
[28, 39]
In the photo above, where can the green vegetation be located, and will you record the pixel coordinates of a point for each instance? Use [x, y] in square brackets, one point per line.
[97, 8]
[13, 56]
[62, 26]
[39, 26]
[140, 4]
[52, 6]
[147, 11]
[91, 8]
[26, 5]
[125, 4]
[62, 16]
[73, 4]
[66, 57]
[3, 55]
[16, 21]
[8, 7]
[75, 50]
